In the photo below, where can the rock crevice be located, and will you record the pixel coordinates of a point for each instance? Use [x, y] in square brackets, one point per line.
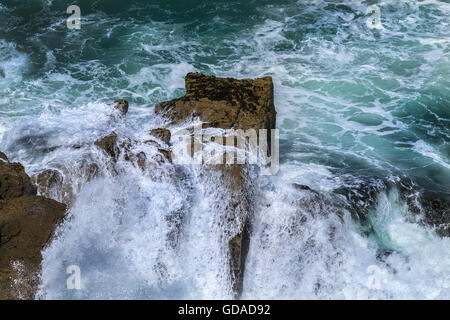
[227, 103]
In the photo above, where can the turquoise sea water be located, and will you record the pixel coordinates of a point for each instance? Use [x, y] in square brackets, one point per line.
[353, 103]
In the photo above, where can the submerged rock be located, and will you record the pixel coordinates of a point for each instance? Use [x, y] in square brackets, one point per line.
[228, 104]
[433, 206]
[116, 149]
[162, 134]
[108, 145]
[361, 196]
[122, 106]
[49, 181]
[27, 223]
[437, 213]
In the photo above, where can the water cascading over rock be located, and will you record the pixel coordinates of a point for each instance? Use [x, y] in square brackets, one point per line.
[227, 103]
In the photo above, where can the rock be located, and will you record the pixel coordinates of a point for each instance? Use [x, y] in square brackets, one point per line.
[433, 206]
[108, 145]
[224, 102]
[27, 223]
[3, 156]
[122, 106]
[162, 134]
[63, 183]
[238, 247]
[14, 182]
[166, 155]
[48, 181]
[362, 196]
[228, 104]
[437, 213]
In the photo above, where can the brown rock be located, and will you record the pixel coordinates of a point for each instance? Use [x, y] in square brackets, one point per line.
[48, 181]
[27, 222]
[108, 145]
[14, 182]
[26, 225]
[224, 102]
[162, 134]
[3, 156]
[122, 106]
[229, 104]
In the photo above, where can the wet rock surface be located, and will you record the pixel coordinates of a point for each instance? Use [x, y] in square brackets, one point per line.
[162, 134]
[228, 103]
[27, 223]
[434, 207]
[121, 105]
[224, 102]
[14, 182]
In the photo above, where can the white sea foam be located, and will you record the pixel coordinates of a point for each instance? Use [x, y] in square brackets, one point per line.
[344, 95]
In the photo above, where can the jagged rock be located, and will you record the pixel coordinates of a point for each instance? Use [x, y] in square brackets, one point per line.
[64, 182]
[362, 196]
[27, 223]
[238, 247]
[49, 181]
[228, 104]
[437, 213]
[224, 102]
[14, 182]
[162, 134]
[433, 206]
[108, 144]
[122, 106]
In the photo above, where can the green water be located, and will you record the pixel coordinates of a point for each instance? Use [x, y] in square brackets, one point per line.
[352, 102]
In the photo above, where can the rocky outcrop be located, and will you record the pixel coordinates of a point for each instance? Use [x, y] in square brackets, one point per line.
[63, 182]
[121, 105]
[162, 134]
[115, 149]
[27, 223]
[228, 104]
[437, 213]
[224, 102]
[434, 207]
[108, 144]
[14, 182]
